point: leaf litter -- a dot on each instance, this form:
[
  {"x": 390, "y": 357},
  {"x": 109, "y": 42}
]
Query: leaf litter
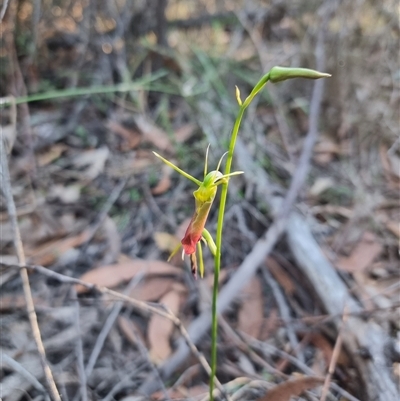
[{"x": 81, "y": 158}]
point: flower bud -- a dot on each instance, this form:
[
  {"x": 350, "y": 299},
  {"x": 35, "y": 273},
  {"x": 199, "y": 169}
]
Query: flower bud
[{"x": 278, "y": 74}]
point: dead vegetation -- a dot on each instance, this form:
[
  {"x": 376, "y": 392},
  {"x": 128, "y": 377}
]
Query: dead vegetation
[{"x": 309, "y": 295}]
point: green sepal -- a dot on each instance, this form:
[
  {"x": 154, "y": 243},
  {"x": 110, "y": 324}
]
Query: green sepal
[
  {"x": 201, "y": 261},
  {"x": 210, "y": 242}
]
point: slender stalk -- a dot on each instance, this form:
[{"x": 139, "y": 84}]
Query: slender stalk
[{"x": 221, "y": 213}]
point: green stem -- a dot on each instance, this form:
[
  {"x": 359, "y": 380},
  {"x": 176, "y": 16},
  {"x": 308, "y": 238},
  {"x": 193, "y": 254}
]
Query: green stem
[{"x": 221, "y": 212}]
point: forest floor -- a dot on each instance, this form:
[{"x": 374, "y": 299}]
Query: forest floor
[{"x": 310, "y": 295}]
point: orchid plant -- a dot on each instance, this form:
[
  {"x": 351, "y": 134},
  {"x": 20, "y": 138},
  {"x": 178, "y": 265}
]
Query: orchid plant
[{"x": 207, "y": 190}]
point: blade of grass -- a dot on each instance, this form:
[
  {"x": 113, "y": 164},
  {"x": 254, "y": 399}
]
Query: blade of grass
[{"x": 56, "y": 94}]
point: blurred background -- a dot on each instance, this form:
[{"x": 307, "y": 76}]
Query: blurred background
[{"x": 90, "y": 88}]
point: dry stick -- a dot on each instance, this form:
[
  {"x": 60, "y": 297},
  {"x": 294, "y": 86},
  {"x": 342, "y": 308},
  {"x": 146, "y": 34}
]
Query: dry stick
[
  {"x": 17, "y": 367},
  {"x": 284, "y": 312},
  {"x": 139, "y": 305},
  {"x": 335, "y": 355},
  {"x": 79, "y": 349},
  {"x": 12, "y": 212}
]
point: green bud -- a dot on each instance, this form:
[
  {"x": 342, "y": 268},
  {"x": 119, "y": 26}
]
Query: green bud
[{"x": 278, "y": 74}]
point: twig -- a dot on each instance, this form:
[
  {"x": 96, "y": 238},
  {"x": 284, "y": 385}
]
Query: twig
[
  {"x": 17, "y": 367},
  {"x": 79, "y": 350},
  {"x": 12, "y": 212},
  {"x": 284, "y": 312},
  {"x": 335, "y": 355}
]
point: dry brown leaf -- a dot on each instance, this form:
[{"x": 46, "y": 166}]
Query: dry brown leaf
[
  {"x": 250, "y": 319},
  {"x": 281, "y": 276},
  {"x": 323, "y": 345},
  {"x": 285, "y": 390},
  {"x": 113, "y": 275},
  {"x": 48, "y": 253},
  {"x": 165, "y": 183},
  {"x": 160, "y": 329},
  {"x": 152, "y": 133},
  {"x": 131, "y": 137},
  {"x": 152, "y": 288},
  {"x": 51, "y": 154},
  {"x": 362, "y": 256},
  {"x": 185, "y": 132}
]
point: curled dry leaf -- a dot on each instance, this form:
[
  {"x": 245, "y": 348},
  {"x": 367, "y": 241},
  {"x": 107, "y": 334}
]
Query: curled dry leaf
[
  {"x": 160, "y": 329},
  {"x": 287, "y": 389},
  {"x": 113, "y": 275},
  {"x": 251, "y": 314}
]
